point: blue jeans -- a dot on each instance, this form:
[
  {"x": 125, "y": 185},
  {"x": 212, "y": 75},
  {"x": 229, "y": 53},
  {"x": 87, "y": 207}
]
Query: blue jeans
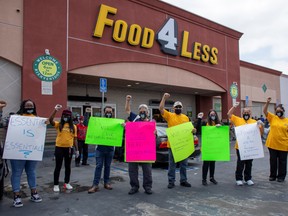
[
  {"x": 17, "y": 167},
  {"x": 102, "y": 158},
  {"x": 172, "y": 169}
]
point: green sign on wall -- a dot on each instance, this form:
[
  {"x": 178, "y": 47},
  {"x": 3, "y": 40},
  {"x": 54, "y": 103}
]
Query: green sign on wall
[{"x": 47, "y": 68}]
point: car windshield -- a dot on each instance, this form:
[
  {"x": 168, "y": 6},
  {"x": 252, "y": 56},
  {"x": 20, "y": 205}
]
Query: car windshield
[{"x": 161, "y": 131}]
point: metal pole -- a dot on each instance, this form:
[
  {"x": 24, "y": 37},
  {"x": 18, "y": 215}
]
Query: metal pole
[{"x": 102, "y": 110}]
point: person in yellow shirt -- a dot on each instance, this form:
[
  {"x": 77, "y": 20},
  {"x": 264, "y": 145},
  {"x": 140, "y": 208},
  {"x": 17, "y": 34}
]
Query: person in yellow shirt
[
  {"x": 242, "y": 165},
  {"x": 66, "y": 138},
  {"x": 174, "y": 119},
  {"x": 277, "y": 142}
]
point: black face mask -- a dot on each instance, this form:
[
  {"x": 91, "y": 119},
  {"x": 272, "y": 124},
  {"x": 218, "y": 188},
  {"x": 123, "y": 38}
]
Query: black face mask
[
  {"x": 213, "y": 117},
  {"x": 279, "y": 113},
  {"x": 142, "y": 115},
  {"x": 29, "y": 110},
  {"x": 178, "y": 111},
  {"x": 108, "y": 115},
  {"x": 246, "y": 116}
]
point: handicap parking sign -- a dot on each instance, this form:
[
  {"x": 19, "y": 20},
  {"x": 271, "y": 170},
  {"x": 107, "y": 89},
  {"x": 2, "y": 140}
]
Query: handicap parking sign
[{"x": 103, "y": 85}]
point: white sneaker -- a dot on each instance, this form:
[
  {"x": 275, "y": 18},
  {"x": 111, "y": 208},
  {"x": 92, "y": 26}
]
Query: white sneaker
[
  {"x": 67, "y": 186},
  {"x": 250, "y": 182},
  {"x": 56, "y": 188},
  {"x": 239, "y": 183}
]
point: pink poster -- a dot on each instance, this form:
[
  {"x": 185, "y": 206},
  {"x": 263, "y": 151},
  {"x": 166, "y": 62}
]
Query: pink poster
[{"x": 140, "y": 141}]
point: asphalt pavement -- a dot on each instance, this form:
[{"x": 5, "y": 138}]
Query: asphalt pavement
[{"x": 225, "y": 198}]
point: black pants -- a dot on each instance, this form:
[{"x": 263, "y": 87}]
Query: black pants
[
  {"x": 208, "y": 165},
  {"x": 83, "y": 148},
  {"x": 278, "y": 162},
  {"x": 147, "y": 175},
  {"x": 60, "y": 154},
  {"x": 245, "y": 165}
]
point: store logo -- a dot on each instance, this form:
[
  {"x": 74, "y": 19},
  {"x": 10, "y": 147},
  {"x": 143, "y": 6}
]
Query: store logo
[
  {"x": 166, "y": 36},
  {"x": 47, "y": 68},
  {"x": 234, "y": 91}
]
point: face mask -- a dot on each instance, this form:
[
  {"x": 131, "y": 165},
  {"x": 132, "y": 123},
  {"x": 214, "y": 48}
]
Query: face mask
[
  {"x": 246, "y": 116},
  {"x": 28, "y": 110},
  {"x": 212, "y": 117},
  {"x": 108, "y": 115},
  {"x": 66, "y": 119},
  {"x": 279, "y": 114},
  {"x": 142, "y": 115},
  {"x": 178, "y": 111}
]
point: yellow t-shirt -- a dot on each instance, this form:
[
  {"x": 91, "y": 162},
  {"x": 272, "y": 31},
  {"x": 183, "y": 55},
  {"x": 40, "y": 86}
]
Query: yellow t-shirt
[
  {"x": 173, "y": 119},
  {"x": 238, "y": 121},
  {"x": 278, "y": 136},
  {"x": 65, "y": 138}
]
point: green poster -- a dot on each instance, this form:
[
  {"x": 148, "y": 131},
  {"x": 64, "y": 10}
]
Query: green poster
[
  {"x": 181, "y": 141},
  {"x": 215, "y": 144},
  {"x": 105, "y": 131}
]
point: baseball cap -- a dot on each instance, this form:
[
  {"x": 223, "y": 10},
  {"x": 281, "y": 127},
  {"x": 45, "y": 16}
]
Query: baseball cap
[
  {"x": 177, "y": 103},
  {"x": 67, "y": 112}
]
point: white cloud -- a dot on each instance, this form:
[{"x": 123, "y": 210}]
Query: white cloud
[{"x": 262, "y": 22}]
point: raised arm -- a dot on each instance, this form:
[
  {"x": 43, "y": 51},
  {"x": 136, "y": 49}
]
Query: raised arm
[
  {"x": 127, "y": 104},
  {"x": 52, "y": 116},
  {"x": 265, "y": 108},
  {"x": 232, "y": 109},
  {"x": 162, "y": 103}
]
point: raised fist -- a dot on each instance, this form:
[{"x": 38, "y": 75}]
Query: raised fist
[
  {"x": 200, "y": 115},
  {"x": 128, "y": 97},
  {"x": 166, "y": 95},
  {"x": 58, "y": 107},
  {"x": 236, "y": 104},
  {"x": 269, "y": 99}
]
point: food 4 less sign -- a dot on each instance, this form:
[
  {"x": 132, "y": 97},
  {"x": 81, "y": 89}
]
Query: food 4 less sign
[{"x": 167, "y": 37}]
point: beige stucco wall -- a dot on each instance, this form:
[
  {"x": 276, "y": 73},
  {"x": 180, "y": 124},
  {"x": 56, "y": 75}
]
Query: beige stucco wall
[{"x": 11, "y": 30}]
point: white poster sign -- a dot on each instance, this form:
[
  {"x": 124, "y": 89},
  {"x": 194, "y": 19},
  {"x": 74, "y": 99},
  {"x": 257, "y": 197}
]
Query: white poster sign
[
  {"x": 46, "y": 88},
  {"x": 249, "y": 141},
  {"x": 25, "y": 138}
]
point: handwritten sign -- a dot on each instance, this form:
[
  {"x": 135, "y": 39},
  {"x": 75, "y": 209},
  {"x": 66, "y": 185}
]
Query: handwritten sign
[
  {"x": 25, "y": 138},
  {"x": 215, "y": 144},
  {"x": 181, "y": 141},
  {"x": 140, "y": 142},
  {"x": 249, "y": 141},
  {"x": 105, "y": 131}
]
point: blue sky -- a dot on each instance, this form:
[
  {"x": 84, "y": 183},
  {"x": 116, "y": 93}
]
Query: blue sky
[{"x": 262, "y": 22}]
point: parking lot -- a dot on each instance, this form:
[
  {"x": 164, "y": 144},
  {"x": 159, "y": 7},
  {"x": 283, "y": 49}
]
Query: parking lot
[{"x": 264, "y": 198}]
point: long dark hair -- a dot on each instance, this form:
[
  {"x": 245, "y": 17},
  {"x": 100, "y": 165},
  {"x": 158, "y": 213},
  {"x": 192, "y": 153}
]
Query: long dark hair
[
  {"x": 62, "y": 122},
  {"x": 21, "y": 111},
  {"x": 209, "y": 121}
]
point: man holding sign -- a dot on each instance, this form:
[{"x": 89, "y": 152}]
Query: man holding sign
[
  {"x": 242, "y": 165},
  {"x": 174, "y": 119}
]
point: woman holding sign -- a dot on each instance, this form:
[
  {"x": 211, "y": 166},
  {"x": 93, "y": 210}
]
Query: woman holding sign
[
  {"x": 213, "y": 120},
  {"x": 277, "y": 142},
  {"x": 27, "y": 108},
  {"x": 242, "y": 165},
  {"x": 66, "y": 138}
]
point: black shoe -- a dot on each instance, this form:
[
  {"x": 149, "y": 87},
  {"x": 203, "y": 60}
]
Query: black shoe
[
  {"x": 171, "y": 185},
  {"x": 85, "y": 164},
  {"x": 133, "y": 191},
  {"x": 77, "y": 164},
  {"x": 272, "y": 179},
  {"x": 280, "y": 180},
  {"x": 185, "y": 184},
  {"x": 148, "y": 191},
  {"x": 204, "y": 182},
  {"x": 213, "y": 181}
]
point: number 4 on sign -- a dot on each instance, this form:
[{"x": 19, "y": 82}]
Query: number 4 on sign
[{"x": 167, "y": 37}]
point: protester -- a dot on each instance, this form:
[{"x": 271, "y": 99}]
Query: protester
[
  {"x": 277, "y": 142},
  {"x": 133, "y": 168},
  {"x": 27, "y": 108},
  {"x": 82, "y": 147},
  {"x": 104, "y": 156},
  {"x": 174, "y": 119},
  {"x": 242, "y": 165},
  {"x": 213, "y": 120},
  {"x": 66, "y": 138}
]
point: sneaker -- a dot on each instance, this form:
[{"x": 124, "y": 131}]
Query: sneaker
[
  {"x": 17, "y": 202},
  {"x": 171, "y": 185},
  {"x": 185, "y": 184},
  {"x": 249, "y": 182},
  {"x": 204, "y": 182},
  {"x": 213, "y": 181},
  {"x": 56, "y": 188},
  {"x": 239, "y": 183},
  {"x": 133, "y": 191},
  {"x": 67, "y": 186},
  {"x": 35, "y": 198}
]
